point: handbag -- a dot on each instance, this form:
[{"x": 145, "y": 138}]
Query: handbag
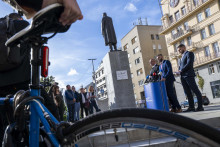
[{"x": 87, "y": 104}]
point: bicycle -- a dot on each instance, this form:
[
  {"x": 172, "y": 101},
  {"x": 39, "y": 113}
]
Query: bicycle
[{"x": 44, "y": 127}]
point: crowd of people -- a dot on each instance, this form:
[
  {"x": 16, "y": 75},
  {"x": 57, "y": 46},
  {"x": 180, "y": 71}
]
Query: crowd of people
[
  {"x": 77, "y": 103},
  {"x": 164, "y": 72}
]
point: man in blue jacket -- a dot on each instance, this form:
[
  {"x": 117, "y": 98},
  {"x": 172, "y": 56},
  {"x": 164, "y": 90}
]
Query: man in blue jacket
[
  {"x": 167, "y": 75},
  {"x": 188, "y": 78},
  {"x": 70, "y": 100}
]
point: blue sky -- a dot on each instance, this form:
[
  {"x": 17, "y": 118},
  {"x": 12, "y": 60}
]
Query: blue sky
[{"x": 69, "y": 52}]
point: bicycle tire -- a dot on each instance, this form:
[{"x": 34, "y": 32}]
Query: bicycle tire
[{"x": 183, "y": 125}]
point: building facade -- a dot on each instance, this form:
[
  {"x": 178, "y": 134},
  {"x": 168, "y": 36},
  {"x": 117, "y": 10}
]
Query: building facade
[
  {"x": 195, "y": 23},
  {"x": 101, "y": 83},
  {"x": 142, "y": 43},
  {"x": 102, "y": 94}
]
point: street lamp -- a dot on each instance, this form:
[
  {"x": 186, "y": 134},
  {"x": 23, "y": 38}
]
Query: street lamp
[{"x": 94, "y": 75}]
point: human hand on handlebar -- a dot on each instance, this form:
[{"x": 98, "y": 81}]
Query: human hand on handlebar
[{"x": 71, "y": 11}]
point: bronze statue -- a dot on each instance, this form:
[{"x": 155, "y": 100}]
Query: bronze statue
[{"x": 108, "y": 32}]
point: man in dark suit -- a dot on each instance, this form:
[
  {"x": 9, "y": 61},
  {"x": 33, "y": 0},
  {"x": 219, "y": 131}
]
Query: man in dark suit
[
  {"x": 83, "y": 99},
  {"x": 188, "y": 78},
  {"x": 167, "y": 75},
  {"x": 155, "y": 69}
]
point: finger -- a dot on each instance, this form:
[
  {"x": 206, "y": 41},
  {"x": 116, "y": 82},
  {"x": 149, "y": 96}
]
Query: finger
[{"x": 65, "y": 14}]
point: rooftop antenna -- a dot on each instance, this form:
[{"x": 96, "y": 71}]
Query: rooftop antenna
[
  {"x": 146, "y": 22},
  {"x": 134, "y": 23},
  {"x": 139, "y": 21}
]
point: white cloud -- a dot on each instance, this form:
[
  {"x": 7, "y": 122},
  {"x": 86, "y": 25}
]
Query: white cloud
[
  {"x": 130, "y": 7},
  {"x": 72, "y": 72}
]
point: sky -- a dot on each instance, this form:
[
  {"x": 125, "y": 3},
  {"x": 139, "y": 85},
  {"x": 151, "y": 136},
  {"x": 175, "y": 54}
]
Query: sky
[{"x": 70, "y": 51}]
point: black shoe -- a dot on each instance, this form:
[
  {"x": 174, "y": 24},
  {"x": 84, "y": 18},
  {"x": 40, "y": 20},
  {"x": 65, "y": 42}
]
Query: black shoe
[
  {"x": 190, "y": 110},
  {"x": 200, "y": 109}
]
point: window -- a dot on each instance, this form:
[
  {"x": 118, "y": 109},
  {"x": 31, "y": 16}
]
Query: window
[
  {"x": 135, "y": 96},
  {"x": 134, "y": 40},
  {"x": 159, "y": 47},
  {"x": 171, "y": 19},
  {"x": 218, "y": 66},
  {"x": 102, "y": 71},
  {"x": 183, "y": 10},
  {"x": 137, "y": 60},
  {"x": 211, "y": 29},
  {"x": 189, "y": 41},
  {"x": 173, "y": 32},
  {"x": 136, "y": 50},
  {"x": 128, "y": 55},
  {"x": 125, "y": 47},
  {"x": 139, "y": 71},
  {"x": 103, "y": 79},
  {"x": 104, "y": 86},
  {"x": 216, "y": 47},
  {"x": 186, "y": 27},
  {"x": 141, "y": 82},
  {"x": 130, "y": 65},
  {"x": 203, "y": 34},
  {"x": 154, "y": 46},
  {"x": 177, "y": 15},
  {"x": 211, "y": 69},
  {"x": 207, "y": 12},
  {"x": 182, "y": 42},
  {"x": 179, "y": 28},
  {"x": 196, "y": 2},
  {"x": 152, "y": 36},
  {"x": 196, "y": 72},
  {"x": 176, "y": 47},
  {"x": 132, "y": 75},
  {"x": 215, "y": 86},
  {"x": 157, "y": 37},
  {"x": 207, "y": 51},
  {"x": 199, "y": 17}
]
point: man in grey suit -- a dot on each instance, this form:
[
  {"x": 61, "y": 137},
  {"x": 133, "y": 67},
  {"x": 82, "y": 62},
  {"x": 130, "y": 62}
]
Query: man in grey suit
[{"x": 188, "y": 78}]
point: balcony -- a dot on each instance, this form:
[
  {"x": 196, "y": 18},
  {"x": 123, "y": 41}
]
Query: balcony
[
  {"x": 207, "y": 59},
  {"x": 191, "y": 9},
  {"x": 177, "y": 55},
  {"x": 181, "y": 34}
]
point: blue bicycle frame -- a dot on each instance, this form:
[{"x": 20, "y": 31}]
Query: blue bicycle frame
[{"x": 36, "y": 107}]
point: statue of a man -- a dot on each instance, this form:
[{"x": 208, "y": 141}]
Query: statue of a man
[{"x": 108, "y": 32}]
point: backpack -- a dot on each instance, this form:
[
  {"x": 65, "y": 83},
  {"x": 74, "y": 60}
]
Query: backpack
[{"x": 9, "y": 57}]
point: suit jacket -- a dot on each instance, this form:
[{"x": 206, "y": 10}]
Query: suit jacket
[
  {"x": 155, "y": 69},
  {"x": 80, "y": 97},
  {"x": 186, "y": 65},
  {"x": 167, "y": 71}
]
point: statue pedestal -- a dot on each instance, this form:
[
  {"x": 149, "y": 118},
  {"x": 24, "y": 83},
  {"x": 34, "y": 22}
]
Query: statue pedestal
[{"x": 118, "y": 80}]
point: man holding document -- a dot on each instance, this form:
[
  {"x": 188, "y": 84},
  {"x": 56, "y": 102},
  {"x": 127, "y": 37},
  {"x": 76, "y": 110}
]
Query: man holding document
[{"x": 188, "y": 78}]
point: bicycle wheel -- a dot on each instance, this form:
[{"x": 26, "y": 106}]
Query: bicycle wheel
[{"x": 158, "y": 124}]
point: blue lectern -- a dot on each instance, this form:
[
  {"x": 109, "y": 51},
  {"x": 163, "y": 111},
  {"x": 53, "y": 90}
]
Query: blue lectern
[{"x": 156, "y": 96}]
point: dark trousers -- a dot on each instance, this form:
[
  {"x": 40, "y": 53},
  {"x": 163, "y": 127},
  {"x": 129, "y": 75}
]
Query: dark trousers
[
  {"x": 93, "y": 104},
  {"x": 61, "y": 112},
  {"x": 189, "y": 84},
  {"x": 71, "y": 110},
  {"x": 171, "y": 95},
  {"x": 83, "y": 108}
]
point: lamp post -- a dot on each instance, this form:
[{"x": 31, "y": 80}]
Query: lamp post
[{"x": 94, "y": 75}]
